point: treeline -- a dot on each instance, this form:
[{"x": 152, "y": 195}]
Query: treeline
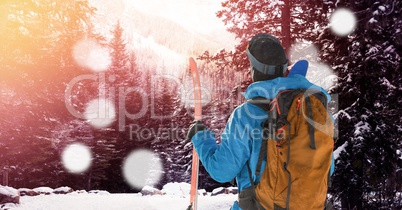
[{"x": 45, "y": 93}]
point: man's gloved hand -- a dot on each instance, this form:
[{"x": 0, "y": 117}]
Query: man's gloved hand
[{"x": 194, "y": 128}]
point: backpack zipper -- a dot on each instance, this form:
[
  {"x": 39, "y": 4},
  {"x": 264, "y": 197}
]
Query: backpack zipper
[{"x": 298, "y": 106}]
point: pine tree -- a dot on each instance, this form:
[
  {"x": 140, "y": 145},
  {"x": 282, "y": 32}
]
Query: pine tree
[
  {"x": 368, "y": 65},
  {"x": 121, "y": 79},
  {"x": 119, "y": 55},
  {"x": 290, "y": 21},
  {"x": 35, "y": 65},
  {"x": 164, "y": 140},
  {"x": 75, "y": 131}
]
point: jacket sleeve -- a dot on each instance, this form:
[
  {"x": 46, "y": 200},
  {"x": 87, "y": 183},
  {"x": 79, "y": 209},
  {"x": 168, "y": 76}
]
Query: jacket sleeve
[
  {"x": 332, "y": 169},
  {"x": 224, "y": 161}
]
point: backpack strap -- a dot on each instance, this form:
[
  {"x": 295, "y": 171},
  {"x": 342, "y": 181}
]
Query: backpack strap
[
  {"x": 250, "y": 195},
  {"x": 261, "y": 102},
  {"x": 264, "y": 104},
  {"x": 310, "y": 124},
  {"x": 323, "y": 99}
]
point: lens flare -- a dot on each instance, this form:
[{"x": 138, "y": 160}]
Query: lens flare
[
  {"x": 76, "y": 158},
  {"x": 318, "y": 73},
  {"x": 100, "y": 113},
  {"x": 207, "y": 88},
  {"x": 342, "y": 22},
  {"x": 303, "y": 50},
  {"x": 142, "y": 168},
  {"x": 89, "y": 54},
  {"x": 322, "y": 75}
]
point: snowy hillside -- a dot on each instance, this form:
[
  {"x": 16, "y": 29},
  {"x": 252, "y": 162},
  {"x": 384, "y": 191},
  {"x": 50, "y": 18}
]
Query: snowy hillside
[{"x": 165, "y": 34}]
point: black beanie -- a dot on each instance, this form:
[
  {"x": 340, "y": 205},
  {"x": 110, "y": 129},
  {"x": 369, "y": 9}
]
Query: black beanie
[{"x": 269, "y": 54}]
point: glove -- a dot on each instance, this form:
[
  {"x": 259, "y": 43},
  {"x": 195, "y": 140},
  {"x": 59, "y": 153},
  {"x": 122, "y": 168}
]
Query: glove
[{"x": 194, "y": 128}]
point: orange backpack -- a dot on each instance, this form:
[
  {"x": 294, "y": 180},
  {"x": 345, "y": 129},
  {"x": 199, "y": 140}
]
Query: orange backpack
[{"x": 298, "y": 145}]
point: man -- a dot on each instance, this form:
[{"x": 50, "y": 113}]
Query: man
[{"x": 242, "y": 137}]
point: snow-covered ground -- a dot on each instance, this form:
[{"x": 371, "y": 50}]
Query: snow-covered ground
[
  {"x": 173, "y": 196},
  {"x": 120, "y": 202}
]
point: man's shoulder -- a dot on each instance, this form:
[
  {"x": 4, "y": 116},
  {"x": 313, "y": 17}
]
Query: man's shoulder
[{"x": 247, "y": 111}]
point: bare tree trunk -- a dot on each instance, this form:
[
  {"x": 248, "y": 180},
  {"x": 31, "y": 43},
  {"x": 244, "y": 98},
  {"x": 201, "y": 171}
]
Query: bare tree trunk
[
  {"x": 5, "y": 177},
  {"x": 89, "y": 180},
  {"x": 285, "y": 26}
]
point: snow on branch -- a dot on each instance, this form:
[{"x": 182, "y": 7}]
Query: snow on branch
[
  {"x": 344, "y": 113},
  {"x": 361, "y": 127},
  {"x": 339, "y": 150}
]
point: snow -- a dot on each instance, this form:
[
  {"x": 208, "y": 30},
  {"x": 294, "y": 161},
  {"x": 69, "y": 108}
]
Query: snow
[
  {"x": 189, "y": 12},
  {"x": 382, "y": 8},
  {"x": 120, "y": 202},
  {"x": 361, "y": 127},
  {"x": 275, "y": 3},
  {"x": 386, "y": 82},
  {"x": 176, "y": 197},
  {"x": 390, "y": 49},
  {"x": 217, "y": 190},
  {"x": 339, "y": 150},
  {"x": 99, "y": 192},
  {"x": 373, "y": 50},
  {"x": 177, "y": 189},
  {"x": 399, "y": 153},
  {"x": 344, "y": 113},
  {"x": 364, "y": 116},
  {"x": 8, "y": 191},
  {"x": 349, "y": 77},
  {"x": 372, "y": 20},
  {"x": 160, "y": 30},
  {"x": 63, "y": 189},
  {"x": 149, "y": 188},
  {"x": 43, "y": 190}
]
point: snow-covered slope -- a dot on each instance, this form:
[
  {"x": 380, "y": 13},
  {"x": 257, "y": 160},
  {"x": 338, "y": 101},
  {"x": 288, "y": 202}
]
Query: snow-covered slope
[
  {"x": 172, "y": 196},
  {"x": 120, "y": 202},
  {"x": 163, "y": 35}
]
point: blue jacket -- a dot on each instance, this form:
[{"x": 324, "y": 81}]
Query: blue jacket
[{"x": 227, "y": 161}]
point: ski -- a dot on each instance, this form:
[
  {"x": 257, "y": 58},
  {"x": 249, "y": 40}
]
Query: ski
[
  {"x": 300, "y": 67},
  {"x": 197, "y": 116}
]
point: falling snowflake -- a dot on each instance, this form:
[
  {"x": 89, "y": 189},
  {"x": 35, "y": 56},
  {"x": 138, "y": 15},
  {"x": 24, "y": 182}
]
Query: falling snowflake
[
  {"x": 142, "y": 168},
  {"x": 89, "y": 54},
  {"x": 76, "y": 158},
  {"x": 100, "y": 113},
  {"x": 342, "y": 22}
]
